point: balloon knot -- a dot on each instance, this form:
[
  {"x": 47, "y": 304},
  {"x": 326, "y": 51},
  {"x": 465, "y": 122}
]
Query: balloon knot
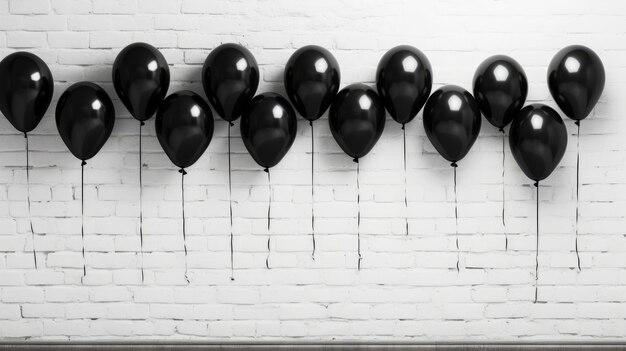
[
  {"x": 83, "y": 163},
  {"x": 577, "y": 123},
  {"x": 142, "y": 123},
  {"x": 182, "y": 171},
  {"x": 311, "y": 123},
  {"x": 501, "y": 130},
  {"x": 453, "y": 164},
  {"x": 25, "y": 135},
  {"x": 266, "y": 170},
  {"x": 536, "y": 184},
  {"x": 356, "y": 160},
  {"x": 231, "y": 123},
  {"x": 402, "y": 126}
]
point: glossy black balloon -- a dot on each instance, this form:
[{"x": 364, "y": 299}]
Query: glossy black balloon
[
  {"x": 576, "y": 79},
  {"x": 184, "y": 127},
  {"x": 538, "y": 139},
  {"x": 404, "y": 80},
  {"x": 85, "y": 118},
  {"x": 141, "y": 78},
  {"x": 26, "y": 88},
  {"x": 452, "y": 121},
  {"x": 312, "y": 79},
  {"x": 230, "y": 77},
  {"x": 500, "y": 89},
  {"x": 268, "y": 128},
  {"x": 357, "y": 119}
]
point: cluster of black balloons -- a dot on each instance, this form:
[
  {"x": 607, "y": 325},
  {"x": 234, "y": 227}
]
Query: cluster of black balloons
[{"x": 184, "y": 123}]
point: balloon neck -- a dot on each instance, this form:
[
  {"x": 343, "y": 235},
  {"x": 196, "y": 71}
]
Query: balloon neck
[
  {"x": 83, "y": 163},
  {"x": 266, "y": 170},
  {"x": 25, "y": 135},
  {"x": 182, "y": 171},
  {"x": 536, "y": 184},
  {"x": 231, "y": 123},
  {"x": 453, "y": 164},
  {"x": 577, "y": 123},
  {"x": 311, "y": 123},
  {"x": 402, "y": 126},
  {"x": 501, "y": 130},
  {"x": 142, "y": 123},
  {"x": 355, "y": 160}
]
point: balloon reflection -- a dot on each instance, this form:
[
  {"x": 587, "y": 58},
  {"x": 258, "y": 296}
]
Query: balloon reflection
[
  {"x": 365, "y": 102},
  {"x": 501, "y": 73},
  {"x": 536, "y": 121},
  {"x": 454, "y": 103},
  {"x": 572, "y": 65},
  {"x": 409, "y": 64}
]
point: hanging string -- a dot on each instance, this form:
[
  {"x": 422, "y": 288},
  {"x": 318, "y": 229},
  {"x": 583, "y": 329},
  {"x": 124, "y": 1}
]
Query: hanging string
[
  {"x": 537, "y": 245},
  {"x": 82, "y": 213},
  {"x": 406, "y": 203},
  {"x": 230, "y": 205},
  {"x": 182, "y": 193},
  {"x": 141, "y": 123},
  {"x": 456, "y": 218},
  {"x": 269, "y": 211},
  {"x": 358, "y": 218},
  {"x": 577, "y": 187},
  {"x": 30, "y": 218},
  {"x": 312, "y": 190},
  {"x": 506, "y": 236}
]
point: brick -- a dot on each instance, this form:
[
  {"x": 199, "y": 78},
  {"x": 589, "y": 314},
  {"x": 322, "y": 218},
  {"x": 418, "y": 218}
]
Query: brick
[
  {"x": 72, "y": 6},
  {"x": 26, "y": 39},
  {"x": 29, "y": 7},
  {"x": 408, "y": 288}
]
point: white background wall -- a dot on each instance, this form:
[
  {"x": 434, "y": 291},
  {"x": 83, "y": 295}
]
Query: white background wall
[{"x": 408, "y": 287}]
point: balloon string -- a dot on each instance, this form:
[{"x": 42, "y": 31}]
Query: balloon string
[
  {"x": 82, "y": 213},
  {"x": 182, "y": 193},
  {"x": 230, "y": 205},
  {"x": 506, "y": 236},
  {"x": 537, "y": 245},
  {"x": 312, "y": 190},
  {"x": 269, "y": 211},
  {"x": 406, "y": 203},
  {"x": 358, "y": 220},
  {"x": 577, "y": 188},
  {"x": 141, "y": 123},
  {"x": 30, "y": 218},
  {"x": 456, "y": 218}
]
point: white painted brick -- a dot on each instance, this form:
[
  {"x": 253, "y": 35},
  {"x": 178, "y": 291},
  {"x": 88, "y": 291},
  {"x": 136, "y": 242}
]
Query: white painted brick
[
  {"x": 47, "y": 23},
  {"x": 26, "y": 39},
  {"x": 114, "y": 6},
  {"x": 408, "y": 288},
  {"x": 159, "y": 6},
  {"x": 72, "y": 6},
  {"x": 27, "y": 7},
  {"x": 22, "y": 294}
]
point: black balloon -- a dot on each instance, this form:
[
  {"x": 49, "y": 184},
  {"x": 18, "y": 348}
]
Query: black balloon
[
  {"x": 500, "y": 89},
  {"x": 576, "y": 79},
  {"x": 26, "y": 88},
  {"x": 184, "y": 127},
  {"x": 230, "y": 77},
  {"x": 85, "y": 117},
  {"x": 452, "y": 121},
  {"x": 404, "y": 79},
  {"x": 357, "y": 119},
  {"x": 268, "y": 128},
  {"x": 141, "y": 78},
  {"x": 538, "y": 139},
  {"x": 312, "y": 79}
]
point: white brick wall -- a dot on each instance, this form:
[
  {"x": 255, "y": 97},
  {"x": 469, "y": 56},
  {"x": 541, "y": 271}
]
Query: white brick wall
[{"x": 408, "y": 287}]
